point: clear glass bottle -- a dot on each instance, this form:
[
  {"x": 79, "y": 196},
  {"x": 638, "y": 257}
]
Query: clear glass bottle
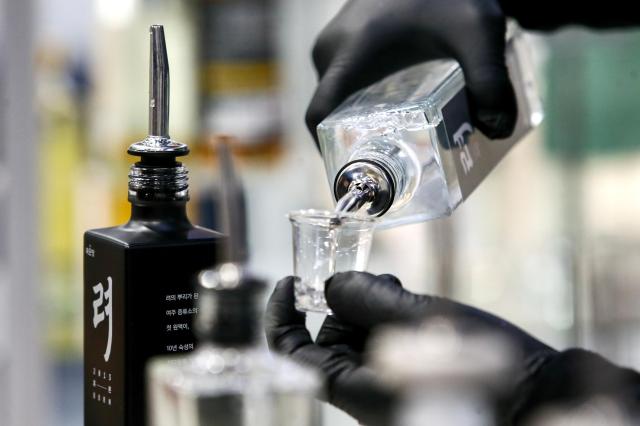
[
  {"x": 444, "y": 373},
  {"x": 231, "y": 379},
  {"x": 404, "y": 148},
  {"x": 239, "y": 85}
]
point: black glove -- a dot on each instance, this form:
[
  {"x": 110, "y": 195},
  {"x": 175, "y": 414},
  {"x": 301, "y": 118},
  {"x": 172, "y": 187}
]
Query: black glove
[
  {"x": 552, "y": 14},
  {"x": 361, "y": 302},
  {"x": 369, "y": 40}
]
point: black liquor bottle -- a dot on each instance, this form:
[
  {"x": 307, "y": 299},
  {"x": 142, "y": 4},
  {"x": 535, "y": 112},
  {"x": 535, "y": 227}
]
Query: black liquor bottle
[{"x": 139, "y": 298}]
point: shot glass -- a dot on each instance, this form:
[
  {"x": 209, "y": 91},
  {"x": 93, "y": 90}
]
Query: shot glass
[{"x": 325, "y": 243}]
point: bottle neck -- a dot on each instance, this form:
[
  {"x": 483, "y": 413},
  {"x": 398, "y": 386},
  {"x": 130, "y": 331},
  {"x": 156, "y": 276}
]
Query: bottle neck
[
  {"x": 229, "y": 314},
  {"x": 159, "y": 193},
  {"x": 159, "y": 212},
  {"x": 161, "y": 182},
  {"x": 235, "y": 323}
]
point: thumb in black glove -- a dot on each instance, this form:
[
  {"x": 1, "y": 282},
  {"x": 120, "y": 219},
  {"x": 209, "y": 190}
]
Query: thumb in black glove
[
  {"x": 362, "y": 302},
  {"x": 369, "y": 40},
  {"x": 337, "y": 353}
]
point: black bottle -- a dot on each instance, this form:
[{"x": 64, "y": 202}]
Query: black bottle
[{"x": 139, "y": 298}]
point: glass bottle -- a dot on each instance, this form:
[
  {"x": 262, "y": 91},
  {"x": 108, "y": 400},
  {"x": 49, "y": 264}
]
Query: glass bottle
[
  {"x": 404, "y": 148},
  {"x": 239, "y": 76},
  {"x": 444, "y": 373},
  {"x": 231, "y": 379},
  {"x": 138, "y": 295}
]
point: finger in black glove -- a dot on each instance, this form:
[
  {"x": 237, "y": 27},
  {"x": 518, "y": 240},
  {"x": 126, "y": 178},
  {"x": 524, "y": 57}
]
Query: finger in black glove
[{"x": 367, "y": 301}]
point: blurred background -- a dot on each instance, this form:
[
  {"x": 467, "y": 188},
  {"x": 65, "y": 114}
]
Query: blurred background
[{"x": 551, "y": 241}]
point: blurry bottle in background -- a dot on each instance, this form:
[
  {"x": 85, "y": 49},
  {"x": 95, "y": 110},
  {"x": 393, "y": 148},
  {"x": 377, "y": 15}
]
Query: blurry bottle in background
[
  {"x": 239, "y": 88},
  {"x": 231, "y": 379},
  {"x": 210, "y": 198},
  {"x": 613, "y": 275},
  {"x": 445, "y": 376}
]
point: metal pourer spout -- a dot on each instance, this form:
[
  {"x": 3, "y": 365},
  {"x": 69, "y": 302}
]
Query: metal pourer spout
[
  {"x": 360, "y": 192},
  {"x": 158, "y": 84},
  {"x": 364, "y": 183},
  {"x": 158, "y": 144},
  {"x": 158, "y": 176}
]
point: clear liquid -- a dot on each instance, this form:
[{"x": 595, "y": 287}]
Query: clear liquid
[
  {"x": 326, "y": 243},
  {"x": 351, "y": 202}
]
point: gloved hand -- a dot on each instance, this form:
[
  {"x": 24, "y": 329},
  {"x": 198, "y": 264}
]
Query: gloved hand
[
  {"x": 369, "y": 40},
  {"x": 361, "y": 302}
]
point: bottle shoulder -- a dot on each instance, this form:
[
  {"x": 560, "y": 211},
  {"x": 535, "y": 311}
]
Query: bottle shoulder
[{"x": 134, "y": 234}]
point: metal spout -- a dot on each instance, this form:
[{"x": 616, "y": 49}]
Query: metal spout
[
  {"x": 158, "y": 143},
  {"x": 158, "y": 83},
  {"x": 363, "y": 183},
  {"x": 233, "y": 208}
]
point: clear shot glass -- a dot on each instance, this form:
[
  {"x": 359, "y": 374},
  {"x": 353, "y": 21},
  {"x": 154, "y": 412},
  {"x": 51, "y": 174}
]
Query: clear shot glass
[{"x": 325, "y": 243}]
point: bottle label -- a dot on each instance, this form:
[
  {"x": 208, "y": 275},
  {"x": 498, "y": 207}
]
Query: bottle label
[
  {"x": 103, "y": 333},
  {"x": 457, "y": 121},
  {"x": 473, "y": 154},
  {"x": 139, "y": 303},
  {"x": 103, "y": 312}
]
